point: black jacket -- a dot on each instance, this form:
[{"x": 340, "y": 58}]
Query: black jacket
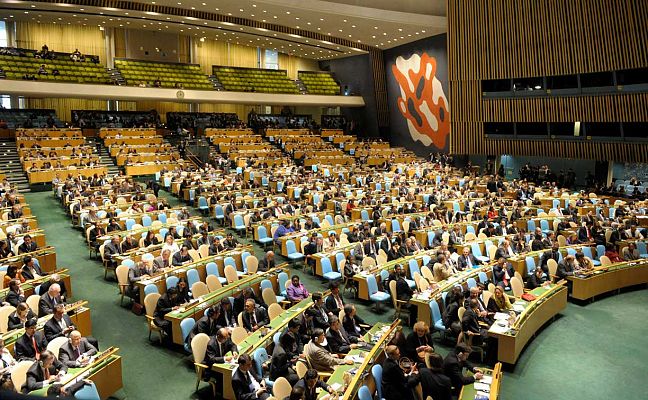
[
  {"x": 413, "y": 342},
  {"x": 350, "y": 324},
  {"x": 24, "y": 349},
  {"x": 435, "y": 384},
  {"x": 36, "y": 375},
  {"x": 261, "y": 316},
  {"x": 16, "y": 323},
  {"x": 214, "y": 355},
  {"x": 397, "y": 386},
  {"x": 241, "y": 385},
  {"x": 340, "y": 341},
  {"x": 53, "y": 330},
  {"x": 453, "y": 369},
  {"x": 311, "y": 394},
  {"x": 164, "y": 305},
  {"x": 13, "y": 298},
  {"x": 332, "y": 306}
]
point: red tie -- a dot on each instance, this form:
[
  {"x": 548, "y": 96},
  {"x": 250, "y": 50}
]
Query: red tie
[
  {"x": 47, "y": 374},
  {"x": 35, "y": 348}
]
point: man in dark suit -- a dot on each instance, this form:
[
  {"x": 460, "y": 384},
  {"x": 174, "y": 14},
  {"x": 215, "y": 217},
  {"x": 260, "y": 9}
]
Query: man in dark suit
[
  {"x": 216, "y": 247},
  {"x": 502, "y": 273},
  {"x": 584, "y": 233},
  {"x": 454, "y": 364},
  {"x": 338, "y": 340},
  {"x": 15, "y": 295},
  {"x": 28, "y": 245},
  {"x": 396, "y": 384},
  {"x": 553, "y": 254},
  {"x": 77, "y": 351},
  {"x": 371, "y": 248},
  {"x": 59, "y": 325},
  {"x": 470, "y": 323},
  {"x": 386, "y": 243},
  {"x": 566, "y": 267},
  {"x": 219, "y": 345},
  {"x": 505, "y": 250},
  {"x": 111, "y": 250},
  {"x": 309, "y": 250},
  {"x": 241, "y": 298},
  {"x": 334, "y": 302},
  {"x": 310, "y": 383},
  {"x": 320, "y": 312},
  {"x": 434, "y": 382},
  {"x": 254, "y": 316},
  {"x": 246, "y": 385},
  {"x": 31, "y": 344},
  {"x": 501, "y": 229},
  {"x": 267, "y": 262},
  {"x": 128, "y": 244},
  {"x": 181, "y": 257},
  {"x": 165, "y": 304},
  {"x": 230, "y": 242},
  {"x": 30, "y": 270},
  {"x": 208, "y": 324},
  {"x": 227, "y": 317},
  {"x": 49, "y": 300},
  {"x": 43, "y": 372},
  {"x": 466, "y": 260}
]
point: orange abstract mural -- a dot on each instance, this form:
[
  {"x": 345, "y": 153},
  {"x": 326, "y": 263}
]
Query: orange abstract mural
[{"x": 422, "y": 101}]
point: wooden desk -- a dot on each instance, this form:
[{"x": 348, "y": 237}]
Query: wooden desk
[
  {"x": 258, "y": 339},
  {"x": 154, "y": 140},
  {"x": 52, "y": 142},
  {"x": 547, "y": 304},
  {"x": 378, "y": 336},
  {"x": 609, "y": 278},
  {"x": 148, "y": 169},
  {"x": 105, "y": 372},
  {"x": 422, "y": 300},
  {"x": 80, "y": 318},
  {"x": 200, "y": 265},
  {"x": 46, "y": 257},
  {"x": 197, "y": 308},
  {"x": 48, "y": 176},
  {"x": 29, "y": 286}
]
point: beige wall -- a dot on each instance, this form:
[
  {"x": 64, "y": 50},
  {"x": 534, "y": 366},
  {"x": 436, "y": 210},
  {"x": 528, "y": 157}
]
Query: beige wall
[{"x": 64, "y": 38}]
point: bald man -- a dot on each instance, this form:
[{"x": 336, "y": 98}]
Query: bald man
[
  {"x": 76, "y": 352},
  {"x": 49, "y": 300},
  {"x": 395, "y": 382},
  {"x": 267, "y": 262}
]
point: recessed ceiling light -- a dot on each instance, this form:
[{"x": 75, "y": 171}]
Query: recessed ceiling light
[{"x": 288, "y": 12}]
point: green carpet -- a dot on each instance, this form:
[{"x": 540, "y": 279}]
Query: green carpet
[{"x": 596, "y": 351}]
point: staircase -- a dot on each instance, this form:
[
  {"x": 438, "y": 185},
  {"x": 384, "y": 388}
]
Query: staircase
[
  {"x": 11, "y": 167},
  {"x": 302, "y": 87},
  {"x": 217, "y": 84},
  {"x": 116, "y": 76},
  {"x": 105, "y": 160}
]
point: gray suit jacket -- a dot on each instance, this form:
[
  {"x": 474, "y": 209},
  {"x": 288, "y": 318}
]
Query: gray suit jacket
[{"x": 68, "y": 355}]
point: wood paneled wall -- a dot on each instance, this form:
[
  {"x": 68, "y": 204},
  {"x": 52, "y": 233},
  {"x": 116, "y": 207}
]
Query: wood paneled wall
[{"x": 492, "y": 39}]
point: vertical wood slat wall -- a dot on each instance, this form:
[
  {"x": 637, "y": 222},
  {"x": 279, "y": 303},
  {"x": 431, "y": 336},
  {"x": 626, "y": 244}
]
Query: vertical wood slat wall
[{"x": 494, "y": 39}]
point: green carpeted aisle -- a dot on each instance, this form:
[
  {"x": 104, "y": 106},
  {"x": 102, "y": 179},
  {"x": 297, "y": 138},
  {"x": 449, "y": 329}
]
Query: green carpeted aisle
[{"x": 593, "y": 352}]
